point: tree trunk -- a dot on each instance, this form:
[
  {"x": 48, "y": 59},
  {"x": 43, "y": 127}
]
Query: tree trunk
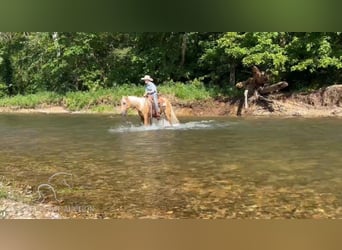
[
  {"x": 232, "y": 67},
  {"x": 184, "y": 47},
  {"x": 55, "y": 38}
]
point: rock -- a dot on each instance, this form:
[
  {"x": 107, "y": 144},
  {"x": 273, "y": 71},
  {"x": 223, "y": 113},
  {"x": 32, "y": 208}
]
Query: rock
[
  {"x": 296, "y": 114},
  {"x": 336, "y": 112},
  {"x": 332, "y": 95}
]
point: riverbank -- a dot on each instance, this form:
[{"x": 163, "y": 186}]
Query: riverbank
[
  {"x": 325, "y": 102},
  {"x": 210, "y": 108},
  {"x": 19, "y": 201}
]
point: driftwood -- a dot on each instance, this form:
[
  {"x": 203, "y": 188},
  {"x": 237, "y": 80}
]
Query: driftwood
[
  {"x": 272, "y": 88},
  {"x": 258, "y": 86}
]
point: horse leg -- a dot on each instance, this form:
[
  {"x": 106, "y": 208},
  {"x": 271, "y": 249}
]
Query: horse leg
[
  {"x": 146, "y": 118},
  {"x": 141, "y": 115},
  {"x": 167, "y": 112}
]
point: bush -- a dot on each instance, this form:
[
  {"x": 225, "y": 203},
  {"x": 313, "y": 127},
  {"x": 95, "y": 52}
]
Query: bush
[
  {"x": 3, "y": 89},
  {"x": 190, "y": 91},
  {"x": 90, "y": 99}
]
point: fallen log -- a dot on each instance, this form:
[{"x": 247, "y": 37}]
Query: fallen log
[
  {"x": 258, "y": 86},
  {"x": 272, "y": 88}
]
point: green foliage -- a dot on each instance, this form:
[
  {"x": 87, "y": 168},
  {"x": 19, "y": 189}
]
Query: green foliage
[
  {"x": 3, "y": 89},
  {"x": 78, "y": 100},
  {"x": 66, "y": 62},
  {"x": 103, "y": 109},
  {"x": 245, "y": 49},
  {"x": 233, "y": 45},
  {"x": 160, "y": 54},
  {"x": 313, "y": 51},
  {"x": 104, "y": 100},
  {"x": 190, "y": 91},
  {"x": 265, "y": 50},
  {"x": 101, "y": 97}
]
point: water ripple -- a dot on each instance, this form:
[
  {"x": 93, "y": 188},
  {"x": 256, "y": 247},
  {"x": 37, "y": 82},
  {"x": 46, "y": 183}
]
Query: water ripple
[{"x": 164, "y": 125}]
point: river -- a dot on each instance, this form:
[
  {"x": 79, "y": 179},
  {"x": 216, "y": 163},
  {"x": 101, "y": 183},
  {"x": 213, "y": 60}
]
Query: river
[{"x": 203, "y": 168}]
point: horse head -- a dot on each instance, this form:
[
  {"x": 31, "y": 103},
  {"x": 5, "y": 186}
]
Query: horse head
[{"x": 125, "y": 105}]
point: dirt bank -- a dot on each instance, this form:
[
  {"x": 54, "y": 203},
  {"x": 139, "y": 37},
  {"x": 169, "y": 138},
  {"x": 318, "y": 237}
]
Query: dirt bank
[{"x": 325, "y": 102}]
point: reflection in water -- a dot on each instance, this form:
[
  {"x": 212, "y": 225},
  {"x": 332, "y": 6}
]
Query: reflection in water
[{"x": 202, "y": 168}]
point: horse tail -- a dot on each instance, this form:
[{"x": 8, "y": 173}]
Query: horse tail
[
  {"x": 174, "y": 119},
  {"x": 168, "y": 111}
]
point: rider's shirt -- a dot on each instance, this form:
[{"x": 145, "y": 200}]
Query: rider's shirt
[{"x": 151, "y": 88}]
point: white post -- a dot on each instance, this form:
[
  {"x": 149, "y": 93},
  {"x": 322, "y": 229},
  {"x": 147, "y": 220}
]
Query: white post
[{"x": 246, "y": 96}]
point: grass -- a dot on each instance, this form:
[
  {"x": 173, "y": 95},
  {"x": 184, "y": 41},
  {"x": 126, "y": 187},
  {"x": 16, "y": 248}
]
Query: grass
[
  {"x": 105, "y": 100},
  {"x": 31, "y": 100},
  {"x": 100, "y": 99},
  {"x": 102, "y": 109},
  {"x": 193, "y": 91}
]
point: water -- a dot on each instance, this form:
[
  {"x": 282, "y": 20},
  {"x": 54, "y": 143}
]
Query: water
[{"x": 202, "y": 168}]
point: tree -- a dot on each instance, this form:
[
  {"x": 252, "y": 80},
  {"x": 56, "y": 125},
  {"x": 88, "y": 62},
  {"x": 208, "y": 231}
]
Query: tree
[
  {"x": 10, "y": 43},
  {"x": 166, "y": 55},
  {"x": 315, "y": 56}
]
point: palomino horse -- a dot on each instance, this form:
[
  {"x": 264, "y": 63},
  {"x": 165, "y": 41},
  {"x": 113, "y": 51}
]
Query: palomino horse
[{"x": 144, "y": 107}]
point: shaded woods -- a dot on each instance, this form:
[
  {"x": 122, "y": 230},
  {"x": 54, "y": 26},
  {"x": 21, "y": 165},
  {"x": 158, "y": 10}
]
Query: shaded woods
[{"x": 62, "y": 62}]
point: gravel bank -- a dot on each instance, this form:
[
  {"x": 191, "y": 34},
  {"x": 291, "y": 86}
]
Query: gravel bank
[{"x": 15, "y": 204}]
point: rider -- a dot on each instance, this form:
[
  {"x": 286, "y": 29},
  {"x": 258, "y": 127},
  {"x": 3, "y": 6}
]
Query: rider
[{"x": 151, "y": 90}]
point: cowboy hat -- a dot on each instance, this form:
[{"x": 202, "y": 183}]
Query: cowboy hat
[{"x": 147, "y": 77}]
